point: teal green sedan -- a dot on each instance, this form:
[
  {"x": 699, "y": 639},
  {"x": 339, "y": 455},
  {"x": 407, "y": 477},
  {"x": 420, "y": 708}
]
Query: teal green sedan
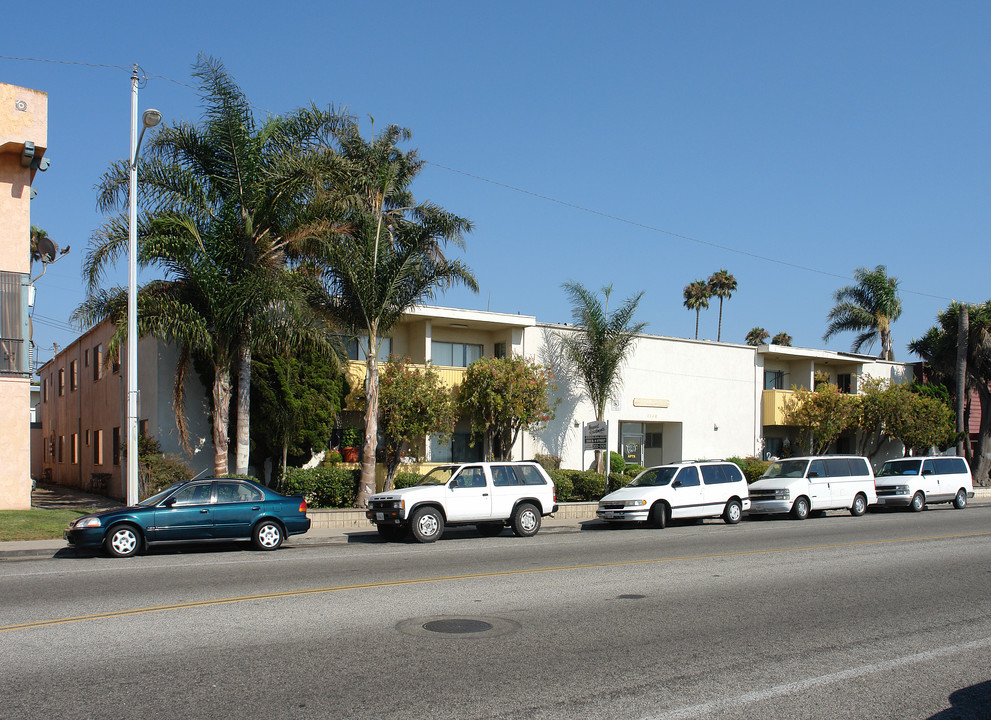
[{"x": 207, "y": 510}]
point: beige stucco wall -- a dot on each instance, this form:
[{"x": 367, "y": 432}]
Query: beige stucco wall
[{"x": 23, "y": 118}]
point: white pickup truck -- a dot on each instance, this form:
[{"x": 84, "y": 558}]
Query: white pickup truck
[{"x": 489, "y": 495}]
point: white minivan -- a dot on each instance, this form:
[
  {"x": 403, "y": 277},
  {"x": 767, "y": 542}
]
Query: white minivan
[
  {"x": 698, "y": 489},
  {"x": 913, "y": 482},
  {"x": 813, "y": 484}
]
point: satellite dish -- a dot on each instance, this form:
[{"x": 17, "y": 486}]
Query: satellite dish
[{"x": 47, "y": 250}]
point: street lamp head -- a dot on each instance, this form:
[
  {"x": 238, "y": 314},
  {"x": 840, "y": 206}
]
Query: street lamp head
[{"x": 151, "y": 117}]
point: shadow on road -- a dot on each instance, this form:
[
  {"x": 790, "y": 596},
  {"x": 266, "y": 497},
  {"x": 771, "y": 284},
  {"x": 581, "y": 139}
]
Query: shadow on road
[{"x": 970, "y": 703}]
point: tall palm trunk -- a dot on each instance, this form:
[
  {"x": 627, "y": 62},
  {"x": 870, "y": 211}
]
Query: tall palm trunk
[
  {"x": 366, "y": 486},
  {"x": 243, "y": 416},
  {"x": 221, "y": 417},
  {"x": 719, "y": 331},
  {"x": 698, "y": 311},
  {"x": 963, "y": 334}
]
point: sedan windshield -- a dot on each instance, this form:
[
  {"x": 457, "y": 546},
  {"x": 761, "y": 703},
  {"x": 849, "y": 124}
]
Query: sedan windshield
[
  {"x": 439, "y": 475},
  {"x": 901, "y": 467},
  {"x": 157, "y": 498},
  {"x": 654, "y": 477},
  {"x": 786, "y": 468}
]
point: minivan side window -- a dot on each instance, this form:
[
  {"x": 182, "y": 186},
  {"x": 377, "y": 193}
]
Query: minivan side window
[
  {"x": 950, "y": 466},
  {"x": 817, "y": 469},
  {"x": 689, "y": 477},
  {"x": 733, "y": 473},
  {"x": 714, "y": 474},
  {"x": 838, "y": 467},
  {"x": 928, "y": 468},
  {"x": 858, "y": 466}
]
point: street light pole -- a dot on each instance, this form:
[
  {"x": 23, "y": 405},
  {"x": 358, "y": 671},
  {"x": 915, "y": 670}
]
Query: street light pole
[{"x": 151, "y": 118}]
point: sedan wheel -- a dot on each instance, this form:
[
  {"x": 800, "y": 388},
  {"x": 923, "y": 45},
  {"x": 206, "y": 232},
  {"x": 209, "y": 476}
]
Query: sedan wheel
[
  {"x": 800, "y": 510},
  {"x": 267, "y": 535},
  {"x": 526, "y": 520},
  {"x": 427, "y": 524},
  {"x": 122, "y": 541},
  {"x": 918, "y": 502},
  {"x": 733, "y": 512},
  {"x": 960, "y": 501}
]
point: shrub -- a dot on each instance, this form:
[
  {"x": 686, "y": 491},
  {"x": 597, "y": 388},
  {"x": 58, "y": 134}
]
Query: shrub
[
  {"x": 618, "y": 480},
  {"x": 332, "y": 458},
  {"x": 562, "y": 484},
  {"x": 548, "y": 462},
  {"x": 406, "y": 479},
  {"x": 631, "y": 471},
  {"x": 616, "y": 462},
  {"x": 157, "y": 472},
  {"x": 587, "y": 485},
  {"x": 752, "y": 467},
  {"x": 324, "y": 487}
]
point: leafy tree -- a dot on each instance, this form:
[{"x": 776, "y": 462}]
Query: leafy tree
[
  {"x": 920, "y": 422},
  {"x": 381, "y": 253},
  {"x": 874, "y": 414},
  {"x": 782, "y": 338},
  {"x": 867, "y": 308},
  {"x": 222, "y": 199},
  {"x": 721, "y": 285},
  {"x": 503, "y": 396},
  {"x": 938, "y": 348},
  {"x": 757, "y": 336},
  {"x": 697, "y": 294},
  {"x": 821, "y": 415},
  {"x": 415, "y": 403},
  {"x": 599, "y": 344},
  {"x": 296, "y": 401}
]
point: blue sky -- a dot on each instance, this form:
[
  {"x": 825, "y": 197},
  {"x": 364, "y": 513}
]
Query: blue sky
[{"x": 656, "y": 142}]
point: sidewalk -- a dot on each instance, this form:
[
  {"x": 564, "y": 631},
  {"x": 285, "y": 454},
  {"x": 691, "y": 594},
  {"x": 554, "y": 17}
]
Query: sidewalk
[{"x": 329, "y": 527}]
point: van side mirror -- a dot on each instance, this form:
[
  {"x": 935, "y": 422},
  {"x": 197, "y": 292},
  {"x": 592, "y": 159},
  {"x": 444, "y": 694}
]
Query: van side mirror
[
  {"x": 813, "y": 473},
  {"x": 676, "y": 484}
]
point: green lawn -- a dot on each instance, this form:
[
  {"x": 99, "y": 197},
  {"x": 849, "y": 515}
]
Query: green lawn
[{"x": 35, "y": 524}]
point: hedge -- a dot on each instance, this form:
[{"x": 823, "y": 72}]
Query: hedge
[
  {"x": 752, "y": 467},
  {"x": 324, "y": 487}
]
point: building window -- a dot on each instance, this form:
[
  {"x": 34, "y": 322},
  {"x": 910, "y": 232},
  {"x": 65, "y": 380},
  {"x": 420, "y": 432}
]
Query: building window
[
  {"x": 454, "y": 354},
  {"x": 44, "y": 390},
  {"x": 61, "y": 382},
  {"x": 98, "y": 447},
  {"x": 115, "y": 439},
  {"x": 499, "y": 350},
  {"x": 356, "y": 349},
  {"x": 774, "y": 379},
  {"x": 74, "y": 448},
  {"x": 87, "y": 438},
  {"x": 115, "y": 365},
  {"x": 844, "y": 382},
  {"x": 61, "y": 447},
  {"x": 97, "y": 362},
  {"x": 74, "y": 375},
  {"x": 86, "y": 357},
  {"x": 14, "y": 323},
  {"x": 143, "y": 428},
  {"x": 456, "y": 449}
]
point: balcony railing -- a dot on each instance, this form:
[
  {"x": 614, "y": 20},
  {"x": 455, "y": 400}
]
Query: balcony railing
[
  {"x": 774, "y": 405},
  {"x": 449, "y": 376}
]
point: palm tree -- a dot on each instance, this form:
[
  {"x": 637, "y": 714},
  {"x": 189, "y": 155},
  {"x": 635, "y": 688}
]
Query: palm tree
[
  {"x": 697, "y": 298},
  {"x": 599, "y": 344},
  {"x": 938, "y": 348},
  {"x": 222, "y": 200},
  {"x": 721, "y": 285},
  {"x": 757, "y": 336},
  {"x": 382, "y": 254},
  {"x": 868, "y": 308},
  {"x": 782, "y": 338}
]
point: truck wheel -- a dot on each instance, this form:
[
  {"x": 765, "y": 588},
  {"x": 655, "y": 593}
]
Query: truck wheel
[
  {"x": 427, "y": 524},
  {"x": 800, "y": 510},
  {"x": 733, "y": 512},
  {"x": 526, "y": 520},
  {"x": 960, "y": 501}
]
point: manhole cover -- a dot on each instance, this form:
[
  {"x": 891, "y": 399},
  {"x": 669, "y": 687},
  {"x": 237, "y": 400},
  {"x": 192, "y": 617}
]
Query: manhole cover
[{"x": 457, "y": 626}]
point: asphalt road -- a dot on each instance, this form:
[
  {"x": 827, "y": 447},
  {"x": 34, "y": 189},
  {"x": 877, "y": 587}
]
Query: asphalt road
[{"x": 883, "y": 616}]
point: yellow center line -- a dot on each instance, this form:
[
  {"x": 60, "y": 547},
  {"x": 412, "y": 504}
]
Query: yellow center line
[{"x": 471, "y": 576}]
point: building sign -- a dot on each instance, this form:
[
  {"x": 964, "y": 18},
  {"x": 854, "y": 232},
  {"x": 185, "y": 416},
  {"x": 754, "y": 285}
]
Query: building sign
[
  {"x": 597, "y": 435},
  {"x": 651, "y": 402},
  {"x": 633, "y": 452}
]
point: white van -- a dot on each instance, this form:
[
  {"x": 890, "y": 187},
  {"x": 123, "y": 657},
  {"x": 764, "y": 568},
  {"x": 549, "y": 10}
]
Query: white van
[
  {"x": 698, "y": 489},
  {"x": 913, "y": 482},
  {"x": 812, "y": 484}
]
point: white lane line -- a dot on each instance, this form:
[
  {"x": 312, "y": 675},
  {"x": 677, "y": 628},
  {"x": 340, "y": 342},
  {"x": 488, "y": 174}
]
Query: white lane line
[{"x": 711, "y": 709}]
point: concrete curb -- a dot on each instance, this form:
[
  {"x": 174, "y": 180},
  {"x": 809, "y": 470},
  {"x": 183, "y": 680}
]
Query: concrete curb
[{"x": 351, "y": 526}]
